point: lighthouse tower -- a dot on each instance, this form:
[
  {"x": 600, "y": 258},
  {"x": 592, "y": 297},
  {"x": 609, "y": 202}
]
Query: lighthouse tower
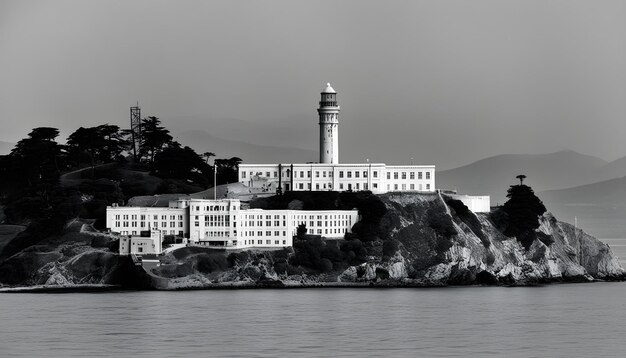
[{"x": 329, "y": 126}]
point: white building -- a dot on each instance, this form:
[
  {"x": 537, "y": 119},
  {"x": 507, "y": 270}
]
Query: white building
[
  {"x": 142, "y": 245},
  {"x": 329, "y": 174},
  {"x": 133, "y": 220},
  {"x": 222, "y": 223},
  {"x": 477, "y": 204}
]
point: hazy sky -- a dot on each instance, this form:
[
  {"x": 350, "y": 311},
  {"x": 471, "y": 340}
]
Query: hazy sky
[{"x": 445, "y": 82}]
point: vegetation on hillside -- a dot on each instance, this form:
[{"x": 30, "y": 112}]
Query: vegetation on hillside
[
  {"x": 519, "y": 216},
  {"x": 44, "y": 183}
]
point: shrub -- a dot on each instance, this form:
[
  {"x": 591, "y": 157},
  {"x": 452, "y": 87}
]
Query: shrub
[
  {"x": 207, "y": 263},
  {"x": 441, "y": 222},
  {"x": 390, "y": 247},
  {"x": 523, "y": 210}
]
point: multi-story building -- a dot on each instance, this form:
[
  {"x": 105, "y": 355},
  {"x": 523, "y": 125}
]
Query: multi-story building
[
  {"x": 329, "y": 174},
  {"x": 223, "y": 223}
]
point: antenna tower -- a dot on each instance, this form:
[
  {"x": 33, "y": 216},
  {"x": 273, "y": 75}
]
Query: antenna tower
[{"x": 135, "y": 129}]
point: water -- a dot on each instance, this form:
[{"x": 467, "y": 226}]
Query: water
[{"x": 553, "y": 321}]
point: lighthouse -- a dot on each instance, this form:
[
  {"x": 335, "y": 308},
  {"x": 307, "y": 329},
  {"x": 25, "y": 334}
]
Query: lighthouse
[{"x": 328, "y": 112}]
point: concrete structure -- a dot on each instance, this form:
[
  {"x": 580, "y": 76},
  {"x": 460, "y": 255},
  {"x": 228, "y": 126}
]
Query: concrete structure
[
  {"x": 133, "y": 220},
  {"x": 329, "y": 174},
  {"x": 222, "y": 223},
  {"x": 328, "y": 112},
  {"x": 477, "y": 204},
  {"x": 376, "y": 177},
  {"x": 142, "y": 245}
]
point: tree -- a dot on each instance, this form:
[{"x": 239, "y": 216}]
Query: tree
[
  {"x": 227, "y": 169},
  {"x": 301, "y": 231},
  {"x": 521, "y": 178},
  {"x": 207, "y": 156},
  {"x": 181, "y": 163},
  {"x": 154, "y": 137},
  {"x": 522, "y": 211},
  {"x": 103, "y": 143},
  {"x": 38, "y": 158}
]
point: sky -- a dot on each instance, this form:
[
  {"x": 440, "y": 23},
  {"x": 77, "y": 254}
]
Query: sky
[{"x": 444, "y": 82}]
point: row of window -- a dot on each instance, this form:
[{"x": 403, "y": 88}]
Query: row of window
[
  {"x": 396, "y": 187},
  {"x": 348, "y": 174},
  {"x": 215, "y": 208},
  {"x": 403, "y": 175},
  {"x": 145, "y": 224},
  {"x": 267, "y": 233},
  {"x": 260, "y": 242},
  {"x": 143, "y": 217},
  {"x": 164, "y": 232}
]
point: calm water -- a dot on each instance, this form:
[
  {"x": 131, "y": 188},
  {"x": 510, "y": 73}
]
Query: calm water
[{"x": 575, "y": 320}]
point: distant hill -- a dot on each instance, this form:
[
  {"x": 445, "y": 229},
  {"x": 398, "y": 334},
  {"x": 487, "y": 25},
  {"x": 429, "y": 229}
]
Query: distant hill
[
  {"x": 6, "y": 147},
  {"x": 493, "y": 176},
  {"x": 612, "y": 170},
  {"x": 290, "y": 136},
  {"x": 202, "y": 141},
  {"x": 600, "y": 207}
]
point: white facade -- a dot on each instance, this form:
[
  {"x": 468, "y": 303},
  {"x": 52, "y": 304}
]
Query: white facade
[
  {"x": 142, "y": 245},
  {"x": 222, "y": 223},
  {"x": 477, "y": 204},
  {"x": 328, "y": 113},
  {"x": 376, "y": 177},
  {"x": 329, "y": 174},
  {"x": 133, "y": 220}
]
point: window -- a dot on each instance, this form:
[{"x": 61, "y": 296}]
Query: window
[
  {"x": 259, "y": 233},
  {"x": 243, "y": 175},
  {"x": 308, "y": 174},
  {"x": 276, "y": 242},
  {"x": 349, "y": 174},
  {"x": 317, "y": 186},
  {"x": 412, "y": 186},
  {"x": 419, "y": 175},
  {"x": 395, "y": 187},
  {"x": 340, "y": 186},
  {"x": 317, "y": 174},
  {"x": 341, "y": 173},
  {"x": 268, "y": 233},
  {"x": 403, "y": 186},
  {"x": 395, "y": 175},
  {"x": 324, "y": 174},
  {"x": 375, "y": 173},
  {"x": 356, "y": 174},
  {"x": 365, "y": 174},
  {"x": 301, "y": 185},
  {"x": 375, "y": 185},
  {"x": 275, "y": 174},
  {"x": 388, "y": 175},
  {"x": 267, "y": 174},
  {"x": 403, "y": 175},
  {"x": 427, "y": 175},
  {"x": 301, "y": 174},
  {"x": 427, "y": 186}
]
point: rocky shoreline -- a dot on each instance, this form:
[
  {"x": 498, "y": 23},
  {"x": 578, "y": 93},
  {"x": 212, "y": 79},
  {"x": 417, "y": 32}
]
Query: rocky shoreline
[{"x": 412, "y": 249}]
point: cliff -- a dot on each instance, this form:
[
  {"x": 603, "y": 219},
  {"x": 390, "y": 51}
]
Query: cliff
[
  {"x": 79, "y": 256},
  {"x": 413, "y": 240},
  {"x": 420, "y": 241}
]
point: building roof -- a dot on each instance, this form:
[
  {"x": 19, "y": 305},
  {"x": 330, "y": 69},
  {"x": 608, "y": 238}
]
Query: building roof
[{"x": 329, "y": 89}]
